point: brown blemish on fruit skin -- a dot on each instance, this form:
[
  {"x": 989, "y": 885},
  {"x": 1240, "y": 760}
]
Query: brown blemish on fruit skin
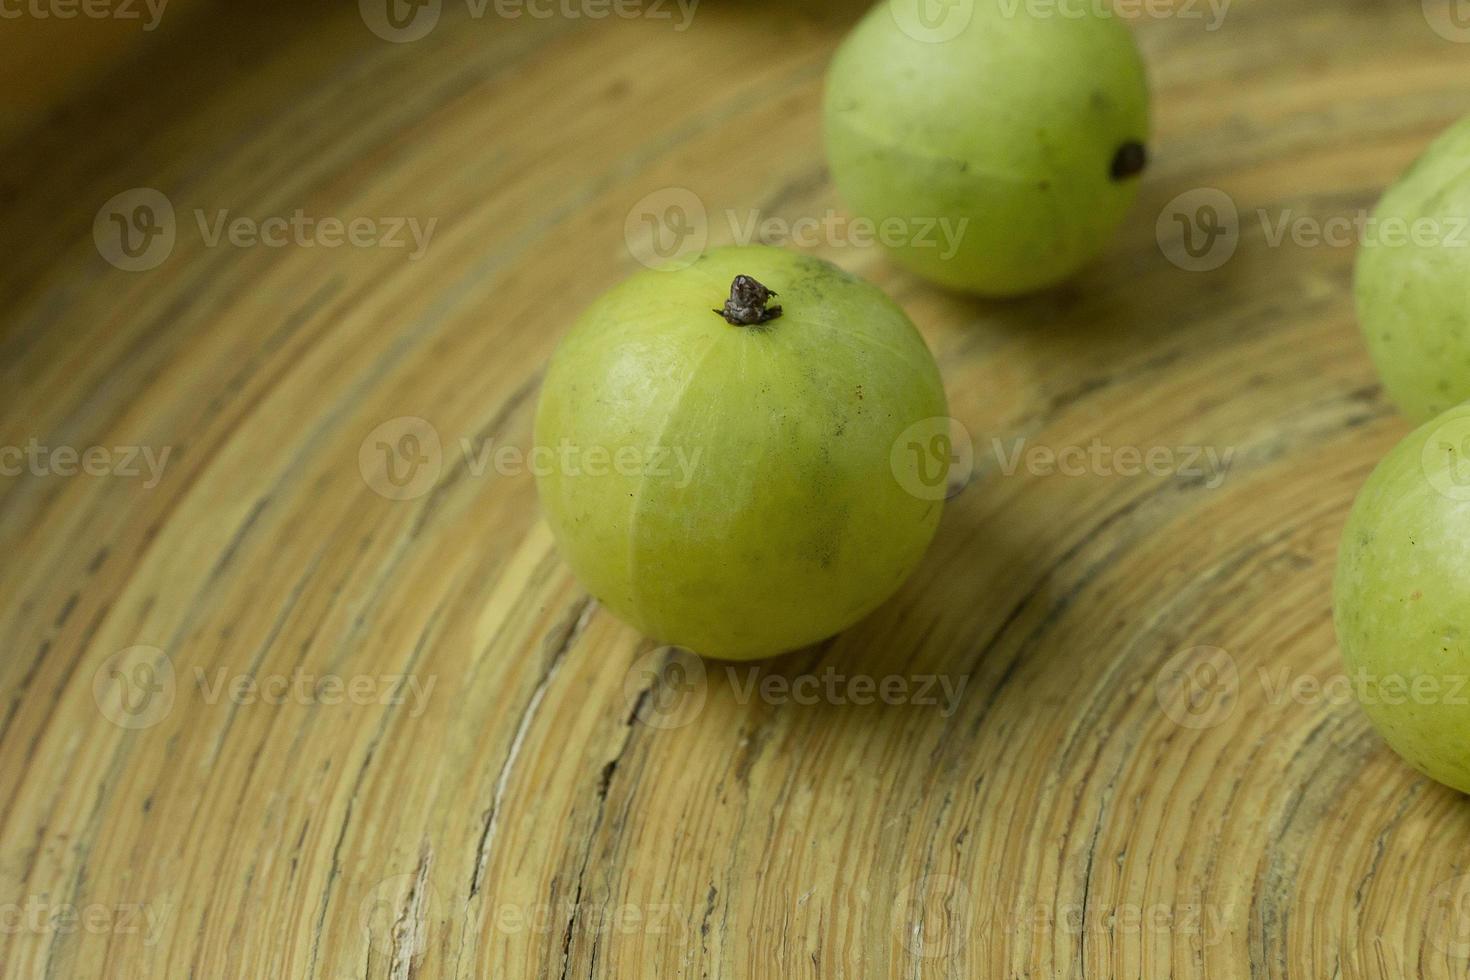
[{"x": 1129, "y": 161}]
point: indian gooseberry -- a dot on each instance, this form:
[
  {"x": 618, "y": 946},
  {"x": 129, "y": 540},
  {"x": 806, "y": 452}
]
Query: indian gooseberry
[
  {"x": 1018, "y": 129},
  {"x": 1402, "y": 598},
  {"x": 1411, "y": 283},
  {"x": 729, "y": 474}
]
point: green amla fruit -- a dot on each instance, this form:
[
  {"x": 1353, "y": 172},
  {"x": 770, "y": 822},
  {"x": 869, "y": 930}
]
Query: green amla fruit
[
  {"x": 727, "y": 448},
  {"x": 1413, "y": 280},
  {"x": 1402, "y": 598},
  {"x": 1020, "y": 130}
]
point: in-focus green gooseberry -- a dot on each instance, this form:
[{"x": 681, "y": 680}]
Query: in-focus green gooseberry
[
  {"x": 728, "y": 481},
  {"x": 1021, "y": 128},
  {"x": 1413, "y": 280},
  {"x": 1402, "y": 598}
]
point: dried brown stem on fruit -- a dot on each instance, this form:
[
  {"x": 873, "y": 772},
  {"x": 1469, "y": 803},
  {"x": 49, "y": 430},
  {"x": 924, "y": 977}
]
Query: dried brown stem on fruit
[
  {"x": 1129, "y": 161},
  {"x": 746, "y": 306}
]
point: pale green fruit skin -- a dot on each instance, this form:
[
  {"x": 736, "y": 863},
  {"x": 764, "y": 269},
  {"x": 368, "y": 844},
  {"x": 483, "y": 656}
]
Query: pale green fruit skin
[
  {"x": 1414, "y": 299},
  {"x": 793, "y": 525},
  {"x": 1402, "y": 598},
  {"x": 1013, "y": 124}
]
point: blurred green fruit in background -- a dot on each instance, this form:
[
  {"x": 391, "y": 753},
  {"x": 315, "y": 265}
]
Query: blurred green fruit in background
[
  {"x": 1025, "y": 125},
  {"x": 1413, "y": 280}
]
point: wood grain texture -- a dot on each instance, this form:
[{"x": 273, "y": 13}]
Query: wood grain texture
[
  {"x": 543, "y": 797},
  {"x": 46, "y": 58}
]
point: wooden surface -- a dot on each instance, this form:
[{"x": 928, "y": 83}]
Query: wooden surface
[
  {"x": 46, "y": 59},
  {"x": 1105, "y": 796}
]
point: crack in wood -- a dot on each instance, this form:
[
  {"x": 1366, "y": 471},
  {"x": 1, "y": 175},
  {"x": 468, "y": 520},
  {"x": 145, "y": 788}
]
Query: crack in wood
[
  {"x": 410, "y": 929},
  {"x": 575, "y": 623},
  {"x": 604, "y": 785}
]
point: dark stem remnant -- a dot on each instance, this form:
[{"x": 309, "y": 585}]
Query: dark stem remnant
[
  {"x": 747, "y": 303},
  {"x": 1129, "y": 161}
]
